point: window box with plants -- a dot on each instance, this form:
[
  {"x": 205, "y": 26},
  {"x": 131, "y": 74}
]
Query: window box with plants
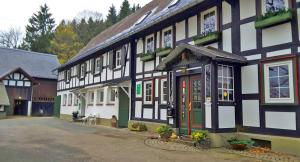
[
  {"x": 162, "y": 52},
  {"x": 206, "y": 38},
  {"x": 273, "y": 18},
  {"x": 148, "y": 56}
]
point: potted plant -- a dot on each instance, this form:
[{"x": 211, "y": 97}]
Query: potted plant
[
  {"x": 136, "y": 126},
  {"x": 273, "y": 17},
  {"x": 237, "y": 144},
  {"x": 75, "y": 115},
  {"x": 148, "y": 56},
  {"x": 165, "y": 132},
  {"x": 162, "y": 52},
  {"x": 206, "y": 38},
  {"x": 201, "y": 139}
]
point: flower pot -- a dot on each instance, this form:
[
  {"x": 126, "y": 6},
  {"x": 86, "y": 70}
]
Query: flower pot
[{"x": 238, "y": 146}]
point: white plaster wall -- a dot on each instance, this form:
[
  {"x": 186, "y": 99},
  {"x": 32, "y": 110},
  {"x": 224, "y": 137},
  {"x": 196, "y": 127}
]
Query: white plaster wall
[
  {"x": 156, "y": 109},
  {"x": 139, "y": 65},
  {"x": 138, "y": 109},
  {"x": 105, "y": 59},
  {"x": 127, "y": 70},
  {"x": 251, "y": 113},
  {"x": 157, "y": 39},
  {"x": 298, "y": 17},
  {"x": 97, "y": 79},
  {"x": 226, "y": 9},
  {"x": 117, "y": 74},
  {"x": 279, "y": 34},
  {"x": 250, "y": 79},
  {"x": 163, "y": 114},
  {"x": 248, "y": 36},
  {"x": 215, "y": 45},
  {"x": 180, "y": 31},
  {"x": 253, "y": 57},
  {"x": 279, "y": 53},
  {"x": 208, "y": 122},
  {"x": 226, "y": 117},
  {"x": 247, "y": 8},
  {"x": 103, "y": 75},
  {"x": 109, "y": 74},
  {"x": 281, "y": 120},
  {"x": 139, "y": 48},
  {"x": 105, "y": 111},
  {"x": 156, "y": 87},
  {"x": 227, "y": 42},
  {"x": 149, "y": 65},
  {"x": 193, "y": 26},
  {"x": 148, "y": 113}
]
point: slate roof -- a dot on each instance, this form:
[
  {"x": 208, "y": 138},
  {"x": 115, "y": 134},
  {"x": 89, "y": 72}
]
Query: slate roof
[
  {"x": 3, "y": 95},
  {"x": 127, "y": 27},
  {"x": 200, "y": 51},
  {"x": 37, "y": 65}
]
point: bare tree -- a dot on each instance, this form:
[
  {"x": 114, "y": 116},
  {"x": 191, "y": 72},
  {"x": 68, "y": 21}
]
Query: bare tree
[{"x": 10, "y": 38}]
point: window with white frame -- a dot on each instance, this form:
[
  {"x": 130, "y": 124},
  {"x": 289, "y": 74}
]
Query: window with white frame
[
  {"x": 274, "y": 5},
  {"x": 225, "y": 83},
  {"x": 91, "y": 97},
  {"x": 64, "y": 100},
  {"x": 168, "y": 38},
  {"x": 150, "y": 45},
  {"x": 118, "y": 59},
  {"x": 279, "y": 82},
  {"x": 100, "y": 96},
  {"x": 209, "y": 21},
  {"x": 112, "y": 95},
  {"x": 70, "y": 98},
  {"x": 2, "y": 108},
  {"x": 148, "y": 92},
  {"x": 76, "y": 100},
  {"x": 82, "y": 70},
  {"x": 98, "y": 64},
  {"x": 164, "y": 91}
]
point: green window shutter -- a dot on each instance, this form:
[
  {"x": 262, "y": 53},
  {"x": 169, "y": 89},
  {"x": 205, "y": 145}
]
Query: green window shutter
[
  {"x": 111, "y": 60},
  {"x": 123, "y": 55}
]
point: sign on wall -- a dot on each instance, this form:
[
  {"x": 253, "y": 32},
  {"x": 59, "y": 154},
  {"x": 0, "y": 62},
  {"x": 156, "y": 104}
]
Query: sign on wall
[{"x": 139, "y": 89}]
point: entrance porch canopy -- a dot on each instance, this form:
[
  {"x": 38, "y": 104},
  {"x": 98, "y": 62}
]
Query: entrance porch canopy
[{"x": 199, "y": 52}]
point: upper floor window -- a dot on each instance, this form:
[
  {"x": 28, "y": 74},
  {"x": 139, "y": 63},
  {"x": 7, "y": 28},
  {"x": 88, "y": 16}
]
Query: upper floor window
[
  {"x": 274, "y": 5},
  {"x": 225, "y": 83},
  {"x": 98, "y": 64},
  {"x": 164, "y": 91},
  {"x": 82, "y": 70},
  {"x": 150, "y": 45},
  {"x": 118, "y": 59},
  {"x": 209, "y": 21},
  {"x": 148, "y": 92},
  {"x": 168, "y": 38},
  {"x": 279, "y": 82}
]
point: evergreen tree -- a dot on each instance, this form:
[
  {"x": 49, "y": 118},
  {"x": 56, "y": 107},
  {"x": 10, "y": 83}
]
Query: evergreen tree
[
  {"x": 112, "y": 17},
  {"x": 39, "y": 31},
  {"x": 125, "y": 10}
]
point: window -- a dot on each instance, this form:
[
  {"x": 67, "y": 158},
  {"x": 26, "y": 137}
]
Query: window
[
  {"x": 118, "y": 59},
  {"x": 64, "y": 100},
  {"x": 209, "y": 21},
  {"x": 76, "y": 100},
  {"x": 225, "y": 83},
  {"x": 279, "y": 82},
  {"x": 100, "y": 96},
  {"x": 164, "y": 91},
  {"x": 148, "y": 92},
  {"x": 150, "y": 45},
  {"x": 82, "y": 70},
  {"x": 112, "y": 95},
  {"x": 2, "y": 108},
  {"x": 274, "y": 5},
  {"x": 68, "y": 75},
  {"x": 91, "y": 98},
  {"x": 168, "y": 38},
  {"x": 70, "y": 97},
  {"x": 207, "y": 82},
  {"x": 98, "y": 64}
]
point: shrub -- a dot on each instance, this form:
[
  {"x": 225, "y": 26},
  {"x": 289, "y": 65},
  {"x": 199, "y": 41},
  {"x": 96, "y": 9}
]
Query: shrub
[
  {"x": 137, "y": 126},
  {"x": 199, "y": 135},
  {"x": 164, "y": 131}
]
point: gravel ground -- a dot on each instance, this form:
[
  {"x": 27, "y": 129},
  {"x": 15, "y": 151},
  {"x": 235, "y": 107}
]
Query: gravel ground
[{"x": 54, "y": 140}]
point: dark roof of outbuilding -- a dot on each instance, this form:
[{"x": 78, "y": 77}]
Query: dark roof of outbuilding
[
  {"x": 125, "y": 28},
  {"x": 37, "y": 65},
  {"x": 200, "y": 51}
]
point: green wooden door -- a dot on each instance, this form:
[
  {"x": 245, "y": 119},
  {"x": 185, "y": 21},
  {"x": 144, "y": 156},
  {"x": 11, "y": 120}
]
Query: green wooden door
[
  {"x": 190, "y": 104},
  {"x": 57, "y": 101},
  {"x": 123, "y": 108}
]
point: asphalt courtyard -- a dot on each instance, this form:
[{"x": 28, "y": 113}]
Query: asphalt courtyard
[{"x": 55, "y": 140}]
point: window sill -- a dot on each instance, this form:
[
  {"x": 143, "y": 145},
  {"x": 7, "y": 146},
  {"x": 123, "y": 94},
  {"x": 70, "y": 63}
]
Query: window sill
[
  {"x": 110, "y": 104},
  {"x": 99, "y": 104},
  {"x": 90, "y": 104}
]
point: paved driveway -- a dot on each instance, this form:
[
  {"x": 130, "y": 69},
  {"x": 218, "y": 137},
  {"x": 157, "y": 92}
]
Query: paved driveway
[{"x": 54, "y": 140}]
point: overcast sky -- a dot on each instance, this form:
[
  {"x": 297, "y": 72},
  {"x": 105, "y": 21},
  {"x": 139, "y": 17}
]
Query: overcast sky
[{"x": 15, "y": 13}]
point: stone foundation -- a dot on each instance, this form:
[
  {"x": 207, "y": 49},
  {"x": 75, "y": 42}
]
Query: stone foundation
[{"x": 151, "y": 126}]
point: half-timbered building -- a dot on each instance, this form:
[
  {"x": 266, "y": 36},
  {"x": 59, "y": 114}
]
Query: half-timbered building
[
  {"x": 217, "y": 65},
  {"x": 29, "y": 82}
]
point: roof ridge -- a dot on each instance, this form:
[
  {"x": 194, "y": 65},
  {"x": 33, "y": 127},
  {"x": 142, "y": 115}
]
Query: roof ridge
[{"x": 31, "y": 52}]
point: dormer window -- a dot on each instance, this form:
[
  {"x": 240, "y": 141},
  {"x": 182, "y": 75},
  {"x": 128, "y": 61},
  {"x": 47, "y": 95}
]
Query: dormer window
[
  {"x": 150, "y": 45},
  {"x": 173, "y": 3},
  {"x": 140, "y": 20},
  {"x": 209, "y": 20},
  {"x": 274, "y": 5}
]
